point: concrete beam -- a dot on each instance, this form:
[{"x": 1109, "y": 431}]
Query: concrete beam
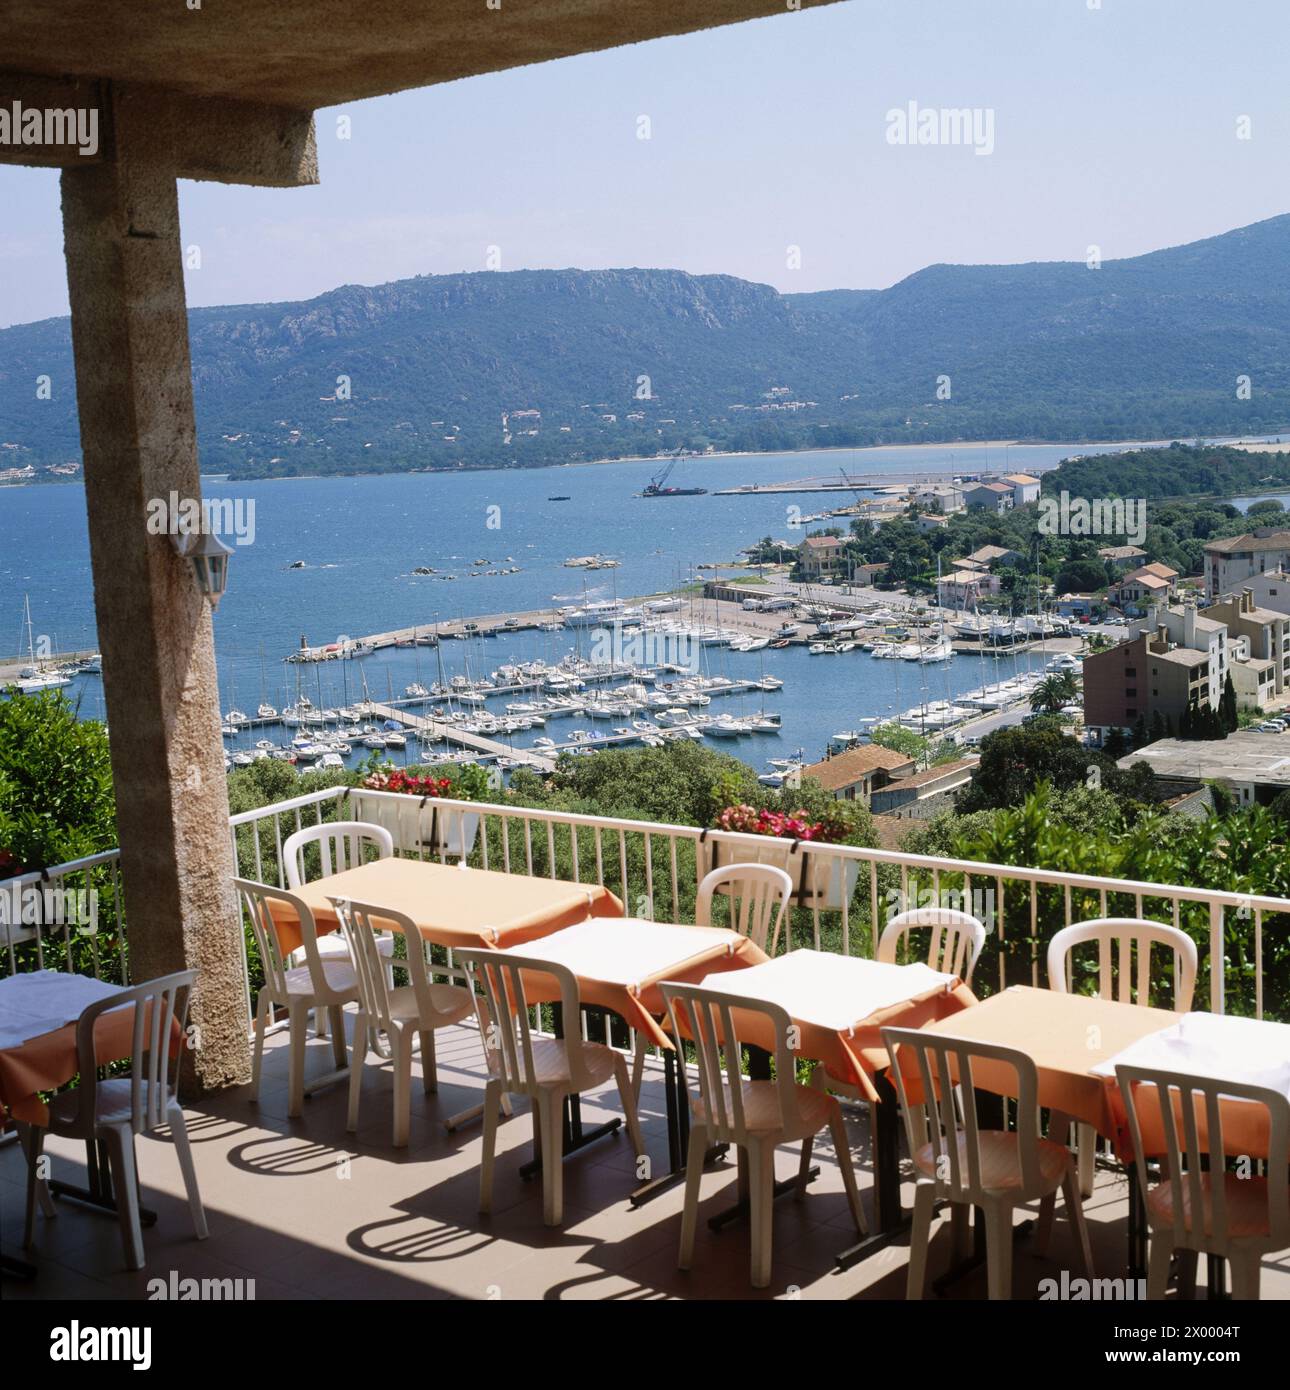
[
  {"x": 67, "y": 123},
  {"x": 134, "y": 394}
]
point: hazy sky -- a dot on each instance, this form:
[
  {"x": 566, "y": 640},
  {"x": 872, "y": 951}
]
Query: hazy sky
[{"x": 1113, "y": 125}]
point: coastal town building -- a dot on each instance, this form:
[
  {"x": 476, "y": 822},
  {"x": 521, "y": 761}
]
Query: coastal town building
[
  {"x": 1232, "y": 562},
  {"x": 819, "y": 556},
  {"x": 922, "y": 795},
  {"x": 856, "y": 774},
  {"x": 1266, "y": 633},
  {"x": 961, "y": 588},
  {"x": 990, "y": 555},
  {"x": 1145, "y": 586},
  {"x": 1024, "y": 488},
  {"x": 1155, "y": 673},
  {"x": 1253, "y": 767},
  {"x": 991, "y": 497},
  {"x": 1271, "y": 590},
  {"x": 937, "y": 497},
  {"x": 1125, "y": 556}
]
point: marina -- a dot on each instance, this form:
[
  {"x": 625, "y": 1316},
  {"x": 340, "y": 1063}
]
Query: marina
[{"x": 500, "y": 658}]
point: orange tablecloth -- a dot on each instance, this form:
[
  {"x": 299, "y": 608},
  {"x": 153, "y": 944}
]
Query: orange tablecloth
[
  {"x": 453, "y": 907},
  {"x": 1067, "y": 1035},
  {"x": 854, "y": 1052},
  {"x": 49, "y": 1061},
  {"x": 635, "y": 996}
]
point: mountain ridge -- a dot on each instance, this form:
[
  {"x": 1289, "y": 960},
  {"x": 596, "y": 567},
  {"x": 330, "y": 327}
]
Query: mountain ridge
[{"x": 449, "y": 370}]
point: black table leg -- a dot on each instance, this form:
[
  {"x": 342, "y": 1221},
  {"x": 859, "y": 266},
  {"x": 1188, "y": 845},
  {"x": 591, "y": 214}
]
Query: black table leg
[
  {"x": 574, "y": 1136},
  {"x": 889, "y": 1216},
  {"x": 1137, "y": 1223},
  {"x": 98, "y": 1195}
]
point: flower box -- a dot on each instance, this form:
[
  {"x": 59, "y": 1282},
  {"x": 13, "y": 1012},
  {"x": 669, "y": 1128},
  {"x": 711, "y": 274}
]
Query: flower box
[{"x": 826, "y": 882}]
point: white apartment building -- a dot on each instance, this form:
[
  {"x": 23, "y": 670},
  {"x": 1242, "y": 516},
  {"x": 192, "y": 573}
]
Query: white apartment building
[{"x": 1231, "y": 563}]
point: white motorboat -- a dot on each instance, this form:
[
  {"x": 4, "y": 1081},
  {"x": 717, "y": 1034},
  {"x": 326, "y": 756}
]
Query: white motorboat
[{"x": 265, "y": 711}]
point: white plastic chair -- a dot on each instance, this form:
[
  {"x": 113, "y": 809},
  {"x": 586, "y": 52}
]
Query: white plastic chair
[
  {"x": 322, "y": 982},
  {"x": 544, "y": 1069},
  {"x": 403, "y": 1013},
  {"x": 342, "y": 845},
  {"x": 1130, "y": 936},
  {"x": 113, "y": 1112},
  {"x": 758, "y": 894},
  {"x": 1119, "y": 940},
  {"x": 1238, "y": 1218},
  {"x": 957, "y": 1161},
  {"x": 757, "y": 1116},
  {"x": 957, "y": 939}
]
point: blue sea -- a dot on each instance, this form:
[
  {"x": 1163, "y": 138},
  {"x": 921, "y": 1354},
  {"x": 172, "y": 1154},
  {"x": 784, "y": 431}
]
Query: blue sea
[{"x": 360, "y": 538}]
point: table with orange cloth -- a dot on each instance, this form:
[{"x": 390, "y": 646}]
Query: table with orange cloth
[
  {"x": 1075, "y": 1040},
  {"x": 45, "y": 1058},
  {"x": 838, "y": 1004},
  {"x": 1067, "y": 1036},
  {"x": 618, "y": 963},
  {"x": 452, "y": 906}
]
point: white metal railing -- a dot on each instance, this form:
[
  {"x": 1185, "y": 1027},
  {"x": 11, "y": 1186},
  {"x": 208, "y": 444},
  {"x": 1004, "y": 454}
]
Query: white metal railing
[
  {"x": 658, "y": 880},
  {"x": 654, "y": 867},
  {"x": 60, "y": 913}
]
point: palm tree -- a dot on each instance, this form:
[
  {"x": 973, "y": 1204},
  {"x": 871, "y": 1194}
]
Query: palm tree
[{"x": 1053, "y": 692}]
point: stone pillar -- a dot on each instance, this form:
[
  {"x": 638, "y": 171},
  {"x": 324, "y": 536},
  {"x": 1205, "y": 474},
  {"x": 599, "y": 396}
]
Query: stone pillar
[{"x": 134, "y": 392}]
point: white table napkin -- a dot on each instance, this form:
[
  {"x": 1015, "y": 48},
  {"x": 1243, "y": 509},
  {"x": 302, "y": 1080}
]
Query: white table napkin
[
  {"x": 1251, "y": 1051},
  {"x": 829, "y": 990},
  {"x": 624, "y": 950}
]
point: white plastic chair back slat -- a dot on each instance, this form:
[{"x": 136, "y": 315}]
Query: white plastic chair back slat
[
  {"x": 756, "y": 893},
  {"x": 371, "y": 974},
  {"x": 946, "y": 1116},
  {"x": 157, "y": 1004},
  {"x": 1118, "y": 940},
  {"x": 957, "y": 939},
  {"x": 508, "y": 1032},
  {"x": 341, "y": 845},
  {"x": 1192, "y": 1159},
  {"x": 706, "y": 1016}
]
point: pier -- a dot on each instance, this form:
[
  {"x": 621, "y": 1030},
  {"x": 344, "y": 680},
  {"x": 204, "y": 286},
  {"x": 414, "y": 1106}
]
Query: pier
[{"x": 436, "y": 729}]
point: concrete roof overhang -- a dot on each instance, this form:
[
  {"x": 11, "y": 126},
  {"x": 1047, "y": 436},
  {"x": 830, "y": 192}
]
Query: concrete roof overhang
[{"x": 306, "y": 54}]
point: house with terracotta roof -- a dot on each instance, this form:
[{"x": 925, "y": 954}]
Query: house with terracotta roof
[
  {"x": 856, "y": 774},
  {"x": 922, "y": 795},
  {"x": 820, "y": 555},
  {"x": 1145, "y": 586}
]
